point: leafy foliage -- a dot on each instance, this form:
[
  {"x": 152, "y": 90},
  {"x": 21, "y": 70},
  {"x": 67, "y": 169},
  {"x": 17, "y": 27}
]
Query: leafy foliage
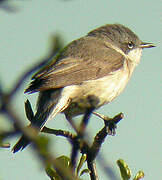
[{"x": 125, "y": 171}]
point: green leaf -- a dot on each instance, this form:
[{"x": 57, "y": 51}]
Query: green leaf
[
  {"x": 52, "y": 173},
  {"x": 64, "y": 161},
  {"x": 81, "y": 162},
  {"x": 139, "y": 175},
  {"x": 84, "y": 171},
  {"x": 2, "y": 144},
  {"x": 124, "y": 169}
]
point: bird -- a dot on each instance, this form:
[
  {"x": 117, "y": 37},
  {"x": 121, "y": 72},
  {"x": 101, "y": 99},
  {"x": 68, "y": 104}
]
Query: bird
[{"x": 94, "y": 68}]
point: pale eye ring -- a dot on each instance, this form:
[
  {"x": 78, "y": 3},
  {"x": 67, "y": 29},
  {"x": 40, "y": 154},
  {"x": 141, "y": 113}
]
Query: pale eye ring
[{"x": 130, "y": 45}]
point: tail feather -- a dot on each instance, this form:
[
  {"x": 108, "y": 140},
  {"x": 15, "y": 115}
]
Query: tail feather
[
  {"x": 46, "y": 109},
  {"x": 34, "y": 86},
  {"x": 39, "y": 121},
  {"x": 21, "y": 144}
]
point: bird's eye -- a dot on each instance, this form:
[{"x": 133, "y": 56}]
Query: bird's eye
[{"x": 130, "y": 45}]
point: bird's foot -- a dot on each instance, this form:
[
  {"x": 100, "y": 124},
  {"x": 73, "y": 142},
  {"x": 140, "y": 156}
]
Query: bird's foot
[
  {"x": 111, "y": 127},
  {"x": 110, "y": 123}
]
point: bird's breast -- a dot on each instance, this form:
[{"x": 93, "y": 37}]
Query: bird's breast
[
  {"x": 104, "y": 89},
  {"x": 108, "y": 87}
]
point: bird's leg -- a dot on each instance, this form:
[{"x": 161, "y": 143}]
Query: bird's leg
[
  {"x": 111, "y": 126},
  {"x": 71, "y": 122},
  {"x": 105, "y": 118},
  {"x": 110, "y": 123}
]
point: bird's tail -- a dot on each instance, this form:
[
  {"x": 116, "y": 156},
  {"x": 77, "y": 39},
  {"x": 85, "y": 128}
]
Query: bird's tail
[
  {"x": 49, "y": 104},
  {"x": 39, "y": 121},
  {"x": 21, "y": 144}
]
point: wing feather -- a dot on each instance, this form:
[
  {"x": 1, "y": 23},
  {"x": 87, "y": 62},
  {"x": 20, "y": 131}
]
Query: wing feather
[{"x": 93, "y": 64}]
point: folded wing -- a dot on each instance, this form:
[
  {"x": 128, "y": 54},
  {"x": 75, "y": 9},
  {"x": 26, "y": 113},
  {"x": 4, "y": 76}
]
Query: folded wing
[{"x": 71, "y": 70}]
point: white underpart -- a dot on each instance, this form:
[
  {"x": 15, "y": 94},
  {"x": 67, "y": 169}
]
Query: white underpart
[
  {"x": 63, "y": 102},
  {"x": 135, "y": 54},
  {"x": 105, "y": 89}
]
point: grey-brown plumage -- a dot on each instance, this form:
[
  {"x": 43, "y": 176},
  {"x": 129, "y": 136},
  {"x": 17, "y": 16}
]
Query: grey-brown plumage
[
  {"x": 98, "y": 65},
  {"x": 80, "y": 62}
]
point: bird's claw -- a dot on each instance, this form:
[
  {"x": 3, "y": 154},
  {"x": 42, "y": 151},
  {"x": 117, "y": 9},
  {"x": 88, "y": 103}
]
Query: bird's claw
[
  {"x": 111, "y": 127},
  {"x": 110, "y": 123}
]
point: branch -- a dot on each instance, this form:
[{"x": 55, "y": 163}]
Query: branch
[
  {"x": 101, "y": 135},
  {"x": 59, "y": 132},
  {"x": 7, "y": 110},
  {"x": 93, "y": 151},
  {"x": 80, "y": 134},
  {"x": 93, "y": 170}
]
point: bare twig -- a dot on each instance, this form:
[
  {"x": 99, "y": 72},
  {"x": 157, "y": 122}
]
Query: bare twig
[
  {"x": 74, "y": 153},
  {"x": 47, "y": 157},
  {"x": 1, "y": 91},
  {"x": 101, "y": 135},
  {"x": 85, "y": 121},
  {"x": 6, "y": 109},
  {"x": 96, "y": 146},
  {"x": 93, "y": 170},
  {"x": 81, "y": 132},
  {"x": 59, "y": 132}
]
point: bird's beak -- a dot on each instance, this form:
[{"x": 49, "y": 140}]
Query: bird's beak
[{"x": 146, "y": 45}]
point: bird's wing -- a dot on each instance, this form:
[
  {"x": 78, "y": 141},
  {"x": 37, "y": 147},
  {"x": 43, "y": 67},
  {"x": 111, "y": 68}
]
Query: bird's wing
[{"x": 70, "y": 71}]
